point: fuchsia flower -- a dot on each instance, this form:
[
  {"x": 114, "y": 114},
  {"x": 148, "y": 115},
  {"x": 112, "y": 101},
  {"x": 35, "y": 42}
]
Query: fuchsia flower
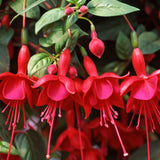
[
  {"x": 144, "y": 94},
  {"x": 96, "y": 46},
  {"x": 15, "y": 90},
  {"x": 56, "y": 90},
  {"x": 101, "y": 92}
]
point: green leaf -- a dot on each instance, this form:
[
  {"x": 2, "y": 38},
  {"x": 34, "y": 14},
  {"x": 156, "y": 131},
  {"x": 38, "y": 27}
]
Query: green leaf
[
  {"x": 70, "y": 20},
  {"x": 149, "y": 42},
  {"x": 38, "y": 64},
  {"x": 123, "y": 47},
  {"x": 141, "y": 153},
  {"x": 110, "y": 28},
  {"x": 71, "y": 1},
  {"x": 4, "y": 59},
  {"x": 0, "y": 2},
  {"x": 49, "y": 17},
  {"x": 140, "y": 29},
  {"x": 80, "y": 2},
  {"x": 108, "y": 8},
  {"x": 53, "y": 37},
  {"x": 4, "y": 147},
  {"x": 30, "y": 146},
  {"x": 32, "y": 9},
  {"x": 5, "y": 35}
]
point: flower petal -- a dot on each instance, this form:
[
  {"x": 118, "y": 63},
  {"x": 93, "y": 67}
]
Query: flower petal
[
  {"x": 103, "y": 88},
  {"x": 57, "y": 91},
  {"x": 14, "y": 89},
  {"x": 145, "y": 90},
  {"x": 87, "y": 84}
]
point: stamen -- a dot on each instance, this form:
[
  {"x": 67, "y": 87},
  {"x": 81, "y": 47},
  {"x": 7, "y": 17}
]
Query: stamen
[
  {"x": 101, "y": 119},
  {"x": 147, "y": 135},
  {"x": 50, "y": 132},
  {"x": 139, "y": 117},
  {"x": 8, "y": 115},
  {"x": 9, "y": 128},
  {"x": 24, "y": 117},
  {"x": 60, "y": 113},
  {"x": 5, "y": 107},
  {"x": 19, "y": 111},
  {"x": 132, "y": 119}
]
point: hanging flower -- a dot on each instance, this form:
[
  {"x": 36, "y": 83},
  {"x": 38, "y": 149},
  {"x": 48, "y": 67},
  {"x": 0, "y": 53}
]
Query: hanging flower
[
  {"x": 56, "y": 90},
  {"x": 15, "y": 90},
  {"x": 144, "y": 94},
  {"x": 101, "y": 92}
]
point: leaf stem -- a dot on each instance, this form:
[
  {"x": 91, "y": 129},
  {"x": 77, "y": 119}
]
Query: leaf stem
[
  {"x": 129, "y": 24},
  {"x": 24, "y": 14}
]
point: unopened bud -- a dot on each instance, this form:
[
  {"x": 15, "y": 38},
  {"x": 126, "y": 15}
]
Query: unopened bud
[
  {"x": 52, "y": 69},
  {"x": 84, "y": 9},
  {"x": 68, "y": 11}
]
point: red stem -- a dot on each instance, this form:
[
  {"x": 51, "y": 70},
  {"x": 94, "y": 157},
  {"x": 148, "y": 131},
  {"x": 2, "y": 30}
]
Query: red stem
[{"x": 129, "y": 24}]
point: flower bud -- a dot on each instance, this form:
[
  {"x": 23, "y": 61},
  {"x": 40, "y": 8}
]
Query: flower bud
[
  {"x": 72, "y": 72},
  {"x": 84, "y": 9},
  {"x": 96, "y": 46},
  {"x": 68, "y": 11},
  {"x": 52, "y": 69},
  {"x": 5, "y": 21},
  {"x": 148, "y": 9},
  {"x": 138, "y": 62},
  {"x": 149, "y": 57}
]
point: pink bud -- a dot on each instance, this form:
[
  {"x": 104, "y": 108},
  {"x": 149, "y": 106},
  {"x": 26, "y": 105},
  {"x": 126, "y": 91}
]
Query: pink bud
[
  {"x": 148, "y": 9},
  {"x": 52, "y": 69},
  {"x": 84, "y": 9},
  {"x": 96, "y": 46},
  {"x": 90, "y": 66},
  {"x": 23, "y": 59},
  {"x": 68, "y": 11},
  {"x": 138, "y": 62},
  {"x": 72, "y": 72},
  {"x": 64, "y": 62}
]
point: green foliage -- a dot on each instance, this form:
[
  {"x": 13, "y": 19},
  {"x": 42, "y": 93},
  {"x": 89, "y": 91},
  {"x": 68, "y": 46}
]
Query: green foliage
[
  {"x": 123, "y": 47},
  {"x": 49, "y": 17},
  {"x": 108, "y": 8},
  {"x": 32, "y": 9},
  {"x": 4, "y": 146},
  {"x": 149, "y": 42},
  {"x": 38, "y": 64},
  {"x": 30, "y": 145},
  {"x": 78, "y": 3}
]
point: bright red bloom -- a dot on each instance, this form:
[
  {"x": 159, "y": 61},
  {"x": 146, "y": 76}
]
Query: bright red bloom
[
  {"x": 101, "y": 92},
  {"x": 96, "y": 46},
  {"x": 15, "y": 90},
  {"x": 56, "y": 90},
  {"x": 144, "y": 93}
]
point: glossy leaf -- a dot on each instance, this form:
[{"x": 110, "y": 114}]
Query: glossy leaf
[
  {"x": 32, "y": 9},
  {"x": 80, "y": 2},
  {"x": 38, "y": 63},
  {"x": 123, "y": 47},
  {"x": 71, "y": 1},
  {"x": 49, "y": 17},
  {"x": 53, "y": 37},
  {"x": 149, "y": 42},
  {"x": 69, "y": 21},
  {"x": 30, "y": 146},
  {"x": 4, "y": 146},
  {"x": 141, "y": 153},
  {"x": 108, "y": 8}
]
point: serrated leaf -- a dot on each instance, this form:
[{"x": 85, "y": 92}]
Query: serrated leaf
[
  {"x": 38, "y": 63},
  {"x": 30, "y": 146},
  {"x": 32, "y": 9},
  {"x": 4, "y": 59},
  {"x": 5, "y": 35},
  {"x": 48, "y": 17},
  {"x": 123, "y": 47},
  {"x": 4, "y": 147},
  {"x": 149, "y": 42},
  {"x": 108, "y": 8},
  {"x": 69, "y": 21},
  {"x": 141, "y": 153}
]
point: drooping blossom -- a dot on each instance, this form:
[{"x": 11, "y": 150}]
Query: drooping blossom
[
  {"x": 132, "y": 138},
  {"x": 96, "y": 46},
  {"x": 15, "y": 90},
  {"x": 101, "y": 92},
  {"x": 55, "y": 92},
  {"x": 144, "y": 94}
]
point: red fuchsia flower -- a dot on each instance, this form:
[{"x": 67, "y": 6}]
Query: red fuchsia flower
[
  {"x": 96, "y": 46},
  {"x": 15, "y": 90},
  {"x": 107, "y": 137},
  {"x": 101, "y": 92},
  {"x": 144, "y": 94},
  {"x": 56, "y": 90},
  {"x": 12, "y": 157}
]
